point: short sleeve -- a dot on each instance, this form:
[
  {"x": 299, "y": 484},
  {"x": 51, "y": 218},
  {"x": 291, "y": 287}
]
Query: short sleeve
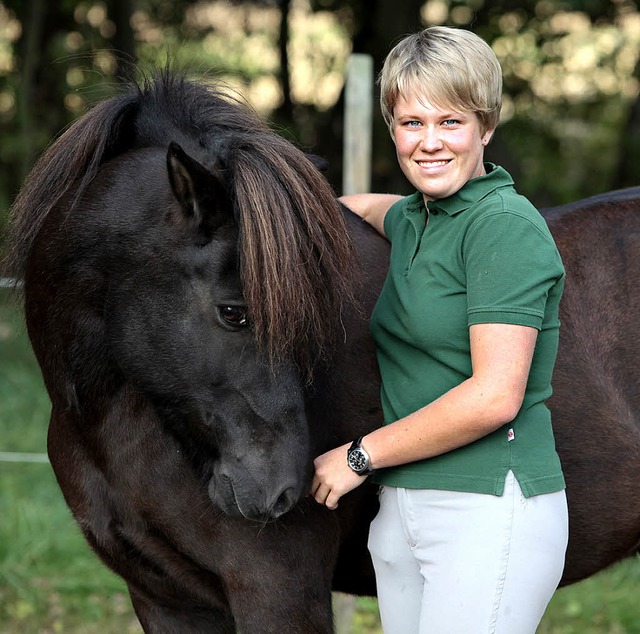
[{"x": 511, "y": 263}]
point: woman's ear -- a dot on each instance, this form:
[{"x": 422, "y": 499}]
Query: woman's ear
[{"x": 486, "y": 137}]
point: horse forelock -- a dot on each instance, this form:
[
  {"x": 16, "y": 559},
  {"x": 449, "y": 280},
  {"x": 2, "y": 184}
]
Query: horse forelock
[
  {"x": 296, "y": 259},
  {"x": 296, "y": 256}
]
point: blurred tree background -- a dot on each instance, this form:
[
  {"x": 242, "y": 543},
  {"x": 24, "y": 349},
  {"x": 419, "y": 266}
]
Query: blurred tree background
[{"x": 571, "y": 117}]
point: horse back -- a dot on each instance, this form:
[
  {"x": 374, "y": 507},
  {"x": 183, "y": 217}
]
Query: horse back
[{"x": 596, "y": 400}]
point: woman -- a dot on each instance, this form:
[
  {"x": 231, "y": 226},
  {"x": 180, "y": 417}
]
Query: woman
[{"x": 472, "y": 528}]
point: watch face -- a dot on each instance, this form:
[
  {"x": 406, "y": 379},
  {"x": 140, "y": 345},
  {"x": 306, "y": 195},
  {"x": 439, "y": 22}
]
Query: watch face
[{"x": 358, "y": 461}]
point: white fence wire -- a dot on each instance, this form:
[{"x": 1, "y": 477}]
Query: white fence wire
[{"x": 15, "y": 456}]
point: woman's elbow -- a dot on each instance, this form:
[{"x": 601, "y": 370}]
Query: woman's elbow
[
  {"x": 501, "y": 409},
  {"x": 506, "y": 408}
]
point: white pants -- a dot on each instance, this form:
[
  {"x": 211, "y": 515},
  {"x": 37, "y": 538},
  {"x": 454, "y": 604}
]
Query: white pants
[{"x": 466, "y": 563}]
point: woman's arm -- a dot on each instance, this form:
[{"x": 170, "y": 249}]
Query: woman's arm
[
  {"x": 501, "y": 358},
  {"x": 371, "y": 207}
]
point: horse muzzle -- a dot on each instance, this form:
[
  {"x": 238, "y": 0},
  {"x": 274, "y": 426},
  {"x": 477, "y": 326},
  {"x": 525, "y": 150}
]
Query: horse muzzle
[{"x": 242, "y": 496}]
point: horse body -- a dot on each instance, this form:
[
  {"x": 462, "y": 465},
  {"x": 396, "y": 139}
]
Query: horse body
[
  {"x": 183, "y": 428},
  {"x": 185, "y": 276},
  {"x": 145, "y": 501},
  {"x": 596, "y": 402}
]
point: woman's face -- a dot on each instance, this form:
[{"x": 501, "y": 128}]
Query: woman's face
[{"x": 439, "y": 150}]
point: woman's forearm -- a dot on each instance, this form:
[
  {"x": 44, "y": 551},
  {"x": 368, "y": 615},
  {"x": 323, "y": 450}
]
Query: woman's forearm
[
  {"x": 501, "y": 358},
  {"x": 459, "y": 417}
]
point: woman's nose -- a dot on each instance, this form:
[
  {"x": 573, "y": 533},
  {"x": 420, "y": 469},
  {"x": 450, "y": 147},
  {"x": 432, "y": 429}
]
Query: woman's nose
[{"x": 430, "y": 139}]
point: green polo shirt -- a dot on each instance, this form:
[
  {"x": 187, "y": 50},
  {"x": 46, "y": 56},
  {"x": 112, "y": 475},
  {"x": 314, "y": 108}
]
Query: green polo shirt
[{"x": 483, "y": 255}]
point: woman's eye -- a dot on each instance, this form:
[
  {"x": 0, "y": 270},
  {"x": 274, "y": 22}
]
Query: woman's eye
[
  {"x": 234, "y": 315},
  {"x": 450, "y": 122}
]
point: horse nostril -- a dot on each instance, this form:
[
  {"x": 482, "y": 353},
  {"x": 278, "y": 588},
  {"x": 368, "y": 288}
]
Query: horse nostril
[{"x": 284, "y": 502}]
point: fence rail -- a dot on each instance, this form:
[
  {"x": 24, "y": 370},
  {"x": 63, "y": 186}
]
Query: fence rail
[{"x": 14, "y": 456}]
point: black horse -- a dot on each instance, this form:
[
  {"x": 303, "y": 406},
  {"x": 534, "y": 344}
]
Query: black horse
[{"x": 198, "y": 303}]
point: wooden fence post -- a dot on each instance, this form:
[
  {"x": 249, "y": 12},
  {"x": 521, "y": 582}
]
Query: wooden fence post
[
  {"x": 358, "y": 125},
  {"x": 356, "y": 179}
]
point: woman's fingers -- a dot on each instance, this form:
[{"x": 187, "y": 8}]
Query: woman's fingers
[{"x": 323, "y": 495}]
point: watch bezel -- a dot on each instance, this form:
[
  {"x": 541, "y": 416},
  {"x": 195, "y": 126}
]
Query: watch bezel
[{"x": 358, "y": 459}]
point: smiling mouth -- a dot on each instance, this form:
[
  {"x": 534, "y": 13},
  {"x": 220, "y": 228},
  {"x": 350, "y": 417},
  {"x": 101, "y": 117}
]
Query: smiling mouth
[{"x": 433, "y": 163}]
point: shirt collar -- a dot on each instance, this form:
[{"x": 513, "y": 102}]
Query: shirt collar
[{"x": 472, "y": 192}]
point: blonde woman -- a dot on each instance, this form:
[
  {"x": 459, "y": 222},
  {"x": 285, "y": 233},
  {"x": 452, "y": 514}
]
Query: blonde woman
[{"x": 472, "y": 528}]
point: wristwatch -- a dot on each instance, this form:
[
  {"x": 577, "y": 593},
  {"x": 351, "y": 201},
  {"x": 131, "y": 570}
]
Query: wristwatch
[{"x": 358, "y": 459}]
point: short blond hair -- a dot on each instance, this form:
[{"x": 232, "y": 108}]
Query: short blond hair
[{"x": 450, "y": 68}]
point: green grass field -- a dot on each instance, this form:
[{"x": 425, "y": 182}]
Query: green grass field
[{"x": 51, "y": 583}]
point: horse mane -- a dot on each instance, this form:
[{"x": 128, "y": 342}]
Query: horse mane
[{"x": 296, "y": 258}]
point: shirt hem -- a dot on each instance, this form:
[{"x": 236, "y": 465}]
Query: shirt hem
[{"x": 474, "y": 484}]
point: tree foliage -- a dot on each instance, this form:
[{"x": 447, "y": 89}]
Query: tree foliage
[{"x": 571, "y": 118}]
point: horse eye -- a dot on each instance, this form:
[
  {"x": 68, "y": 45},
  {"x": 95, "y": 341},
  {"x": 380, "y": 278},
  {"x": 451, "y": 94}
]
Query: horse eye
[{"x": 234, "y": 315}]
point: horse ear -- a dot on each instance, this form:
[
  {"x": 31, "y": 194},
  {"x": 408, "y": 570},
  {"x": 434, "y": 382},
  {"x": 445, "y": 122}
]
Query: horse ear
[{"x": 202, "y": 193}]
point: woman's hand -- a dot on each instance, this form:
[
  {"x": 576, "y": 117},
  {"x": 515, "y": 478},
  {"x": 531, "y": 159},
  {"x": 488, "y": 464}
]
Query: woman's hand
[{"x": 333, "y": 477}]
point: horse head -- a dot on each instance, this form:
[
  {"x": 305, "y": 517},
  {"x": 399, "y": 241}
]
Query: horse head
[
  {"x": 179, "y": 328},
  {"x": 210, "y": 259}
]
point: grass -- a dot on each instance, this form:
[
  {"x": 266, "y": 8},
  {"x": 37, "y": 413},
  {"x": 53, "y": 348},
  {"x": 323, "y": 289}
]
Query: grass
[{"x": 50, "y": 582}]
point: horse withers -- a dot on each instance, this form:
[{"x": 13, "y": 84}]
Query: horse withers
[{"x": 198, "y": 304}]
